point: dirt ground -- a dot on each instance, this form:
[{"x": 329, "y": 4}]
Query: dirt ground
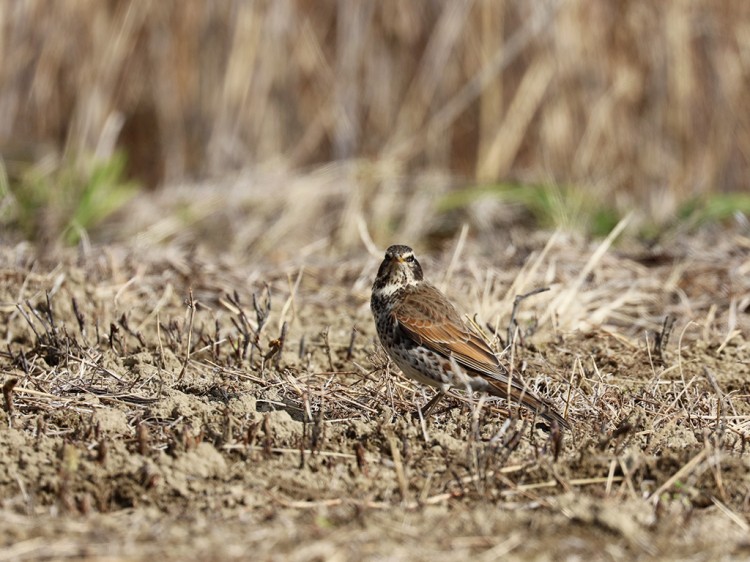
[{"x": 175, "y": 403}]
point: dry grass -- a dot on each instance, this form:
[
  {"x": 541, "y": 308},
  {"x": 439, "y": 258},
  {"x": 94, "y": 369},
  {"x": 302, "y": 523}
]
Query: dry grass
[
  {"x": 250, "y": 395},
  {"x": 212, "y": 387},
  {"x": 639, "y": 103}
]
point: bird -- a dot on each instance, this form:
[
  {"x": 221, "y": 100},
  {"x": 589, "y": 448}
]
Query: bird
[{"x": 425, "y": 335}]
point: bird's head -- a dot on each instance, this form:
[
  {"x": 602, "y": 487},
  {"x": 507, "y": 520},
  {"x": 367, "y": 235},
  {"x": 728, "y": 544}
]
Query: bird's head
[{"x": 399, "y": 269}]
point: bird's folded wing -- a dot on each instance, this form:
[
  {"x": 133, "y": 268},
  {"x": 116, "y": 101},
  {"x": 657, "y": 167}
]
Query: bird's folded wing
[{"x": 442, "y": 330}]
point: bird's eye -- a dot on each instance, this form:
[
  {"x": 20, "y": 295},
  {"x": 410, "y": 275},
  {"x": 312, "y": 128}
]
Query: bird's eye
[{"x": 410, "y": 259}]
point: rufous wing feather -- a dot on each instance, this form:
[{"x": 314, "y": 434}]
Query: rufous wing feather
[{"x": 431, "y": 320}]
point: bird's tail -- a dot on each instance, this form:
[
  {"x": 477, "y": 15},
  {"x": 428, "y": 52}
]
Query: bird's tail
[{"x": 521, "y": 394}]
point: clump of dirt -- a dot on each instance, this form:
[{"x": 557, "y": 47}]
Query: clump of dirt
[{"x": 184, "y": 412}]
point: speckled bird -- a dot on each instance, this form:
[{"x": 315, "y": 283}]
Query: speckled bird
[{"x": 427, "y": 338}]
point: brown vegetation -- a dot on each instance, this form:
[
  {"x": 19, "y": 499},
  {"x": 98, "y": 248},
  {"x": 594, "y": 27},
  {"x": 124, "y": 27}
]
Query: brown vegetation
[
  {"x": 636, "y": 102},
  {"x": 199, "y": 377},
  {"x": 183, "y": 405}
]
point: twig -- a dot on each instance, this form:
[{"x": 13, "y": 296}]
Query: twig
[
  {"x": 516, "y": 303},
  {"x": 350, "y": 349},
  {"x": 327, "y": 347},
  {"x": 28, "y": 319},
  {"x": 662, "y": 338},
  {"x": 79, "y": 318},
  {"x": 261, "y": 316},
  {"x": 41, "y": 320},
  {"x": 191, "y": 308},
  {"x": 48, "y": 311},
  {"x": 719, "y": 394},
  {"x": 290, "y": 301},
  {"x": 232, "y": 302},
  {"x": 456, "y": 256}
]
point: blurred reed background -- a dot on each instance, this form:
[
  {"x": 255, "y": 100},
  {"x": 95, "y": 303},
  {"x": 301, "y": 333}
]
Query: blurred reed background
[{"x": 636, "y": 104}]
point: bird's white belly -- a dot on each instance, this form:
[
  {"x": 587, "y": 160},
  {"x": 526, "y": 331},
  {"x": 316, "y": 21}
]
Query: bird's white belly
[{"x": 420, "y": 365}]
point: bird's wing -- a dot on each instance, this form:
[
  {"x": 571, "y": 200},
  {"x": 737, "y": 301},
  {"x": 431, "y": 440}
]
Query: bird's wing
[
  {"x": 432, "y": 321},
  {"x": 429, "y": 319}
]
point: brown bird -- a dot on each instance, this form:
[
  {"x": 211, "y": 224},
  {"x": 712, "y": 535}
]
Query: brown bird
[{"x": 426, "y": 337}]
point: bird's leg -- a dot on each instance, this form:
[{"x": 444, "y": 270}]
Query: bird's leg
[{"x": 427, "y": 408}]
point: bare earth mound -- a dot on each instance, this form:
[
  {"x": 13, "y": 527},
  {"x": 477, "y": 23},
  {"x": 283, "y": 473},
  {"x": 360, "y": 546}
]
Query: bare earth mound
[{"x": 164, "y": 404}]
